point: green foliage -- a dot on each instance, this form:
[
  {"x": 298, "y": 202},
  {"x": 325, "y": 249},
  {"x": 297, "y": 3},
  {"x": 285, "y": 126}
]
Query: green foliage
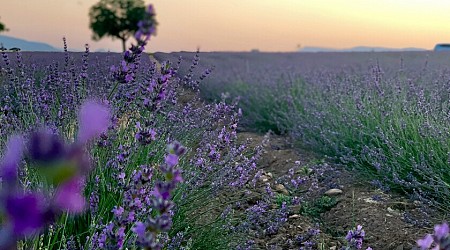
[
  {"x": 280, "y": 198},
  {"x": 314, "y": 209},
  {"x": 264, "y": 107},
  {"x": 116, "y": 18}
]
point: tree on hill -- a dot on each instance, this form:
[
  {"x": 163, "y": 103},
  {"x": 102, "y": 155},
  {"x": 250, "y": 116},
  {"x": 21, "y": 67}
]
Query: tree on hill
[{"x": 117, "y": 19}]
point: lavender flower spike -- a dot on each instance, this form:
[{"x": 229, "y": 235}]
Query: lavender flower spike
[
  {"x": 171, "y": 160},
  {"x": 355, "y": 237},
  {"x": 139, "y": 229},
  {"x": 94, "y": 119}
]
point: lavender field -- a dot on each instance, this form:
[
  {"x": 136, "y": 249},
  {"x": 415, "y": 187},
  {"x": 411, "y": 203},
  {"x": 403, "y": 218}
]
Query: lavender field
[
  {"x": 224, "y": 150},
  {"x": 384, "y": 116}
]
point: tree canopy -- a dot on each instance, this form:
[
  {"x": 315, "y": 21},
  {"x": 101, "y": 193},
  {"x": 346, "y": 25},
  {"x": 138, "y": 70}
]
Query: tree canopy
[
  {"x": 116, "y": 19},
  {"x": 2, "y": 27}
]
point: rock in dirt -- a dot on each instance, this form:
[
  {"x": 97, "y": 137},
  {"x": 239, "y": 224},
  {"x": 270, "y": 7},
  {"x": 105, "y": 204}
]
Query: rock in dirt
[
  {"x": 333, "y": 191},
  {"x": 393, "y": 211},
  {"x": 263, "y": 179},
  {"x": 370, "y": 200},
  {"x": 281, "y": 189},
  {"x": 294, "y": 216}
]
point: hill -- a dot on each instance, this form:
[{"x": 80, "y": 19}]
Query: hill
[{"x": 11, "y": 42}]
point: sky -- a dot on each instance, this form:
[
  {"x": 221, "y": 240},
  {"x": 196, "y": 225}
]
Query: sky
[{"x": 243, "y": 25}]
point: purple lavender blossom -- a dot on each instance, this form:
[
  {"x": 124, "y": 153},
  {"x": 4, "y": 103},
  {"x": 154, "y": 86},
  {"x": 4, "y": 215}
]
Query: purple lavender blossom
[
  {"x": 355, "y": 237},
  {"x": 69, "y": 196},
  {"x": 176, "y": 148},
  {"x": 25, "y": 212},
  {"x": 162, "y": 190},
  {"x": 139, "y": 229},
  {"x": 426, "y": 242},
  {"x": 171, "y": 160},
  {"x": 440, "y": 239},
  {"x": 45, "y": 147},
  {"x": 441, "y": 231},
  {"x": 147, "y": 26},
  {"x": 94, "y": 120}
]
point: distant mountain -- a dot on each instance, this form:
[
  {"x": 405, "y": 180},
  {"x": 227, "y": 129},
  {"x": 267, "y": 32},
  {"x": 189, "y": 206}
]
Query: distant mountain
[
  {"x": 358, "y": 49},
  {"x": 12, "y": 42}
]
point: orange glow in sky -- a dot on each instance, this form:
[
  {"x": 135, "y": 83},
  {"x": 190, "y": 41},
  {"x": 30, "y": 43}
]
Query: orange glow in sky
[{"x": 242, "y": 25}]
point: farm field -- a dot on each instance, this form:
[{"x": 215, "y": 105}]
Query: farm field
[
  {"x": 305, "y": 153},
  {"x": 377, "y": 115},
  {"x": 295, "y": 125}
]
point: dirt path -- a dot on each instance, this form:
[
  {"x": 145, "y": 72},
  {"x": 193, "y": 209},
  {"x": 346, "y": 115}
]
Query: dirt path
[
  {"x": 390, "y": 221},
  {"x": 153, "y": 60}
]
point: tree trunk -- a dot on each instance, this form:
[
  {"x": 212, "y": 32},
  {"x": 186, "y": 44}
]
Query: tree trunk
[{"x": 123, "y": 44}]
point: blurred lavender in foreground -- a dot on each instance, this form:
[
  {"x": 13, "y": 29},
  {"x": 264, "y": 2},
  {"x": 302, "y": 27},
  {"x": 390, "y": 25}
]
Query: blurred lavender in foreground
[
  {"x": 65, "y": 166},
  {"x": 94, "y": 120},
  {"x": 440, "y": 240},
  {"x": 147, "y": 26}
]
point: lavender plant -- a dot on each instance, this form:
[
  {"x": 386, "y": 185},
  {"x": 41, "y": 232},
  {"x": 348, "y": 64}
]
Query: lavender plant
[{"x": 355, "y": 238}]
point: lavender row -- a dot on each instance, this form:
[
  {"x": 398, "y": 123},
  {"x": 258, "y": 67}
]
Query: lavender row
[{"x": 98, "y": 164}]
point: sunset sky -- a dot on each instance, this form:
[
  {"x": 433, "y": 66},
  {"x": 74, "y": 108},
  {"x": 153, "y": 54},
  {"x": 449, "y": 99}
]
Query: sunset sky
[{"x": 242, "y": 25}]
